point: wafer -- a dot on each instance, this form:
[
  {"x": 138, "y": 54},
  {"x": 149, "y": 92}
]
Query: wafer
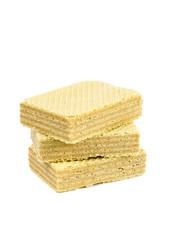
[
  {"x": 66, "y": 176},
  {"x": 80, "y": 111},
  {"x": 121, "y": 140}
]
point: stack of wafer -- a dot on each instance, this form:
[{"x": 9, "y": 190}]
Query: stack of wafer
[{"x": 84, "y": 134}]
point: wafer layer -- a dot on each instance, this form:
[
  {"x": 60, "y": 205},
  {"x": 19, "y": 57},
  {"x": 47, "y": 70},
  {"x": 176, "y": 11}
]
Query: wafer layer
[
  {"x": 123, "y": 139},
  {"x": 81, "y": 110},
  {"x": 66, "y": 176}
]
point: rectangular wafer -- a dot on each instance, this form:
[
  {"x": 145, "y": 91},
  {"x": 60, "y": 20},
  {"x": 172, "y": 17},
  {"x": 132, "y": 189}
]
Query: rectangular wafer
[
  {"x": 66, "y": 176},
  {"x": 121, "y": 140},
  {"x": 80, "y": 111}
]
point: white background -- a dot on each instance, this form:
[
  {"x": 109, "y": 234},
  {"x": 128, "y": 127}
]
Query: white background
[{"x": 45, "y": 45}]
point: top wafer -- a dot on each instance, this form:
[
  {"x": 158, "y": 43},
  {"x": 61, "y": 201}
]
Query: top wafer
[{"x": 81, "y": 110}]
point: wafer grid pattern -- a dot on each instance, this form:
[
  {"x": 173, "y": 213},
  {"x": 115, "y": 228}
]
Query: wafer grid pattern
[{"x": 81, "y": 98}]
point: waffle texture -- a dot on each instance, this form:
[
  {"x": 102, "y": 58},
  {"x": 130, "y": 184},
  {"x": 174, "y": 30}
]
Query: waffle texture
[
  {"x": 80, "y": 111},
  {"x": 121, "y": 140},
  {"x": 66, "y": 176}
]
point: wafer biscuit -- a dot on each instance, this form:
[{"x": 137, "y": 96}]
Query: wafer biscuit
[
  {"x": 121, "y": 140},
  {"x": 66, "y": 176},
  {"x": 79, "y": 111}
]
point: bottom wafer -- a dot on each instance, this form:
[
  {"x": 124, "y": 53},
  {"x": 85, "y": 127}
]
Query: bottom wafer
[{"x": 66, "y": 176}]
